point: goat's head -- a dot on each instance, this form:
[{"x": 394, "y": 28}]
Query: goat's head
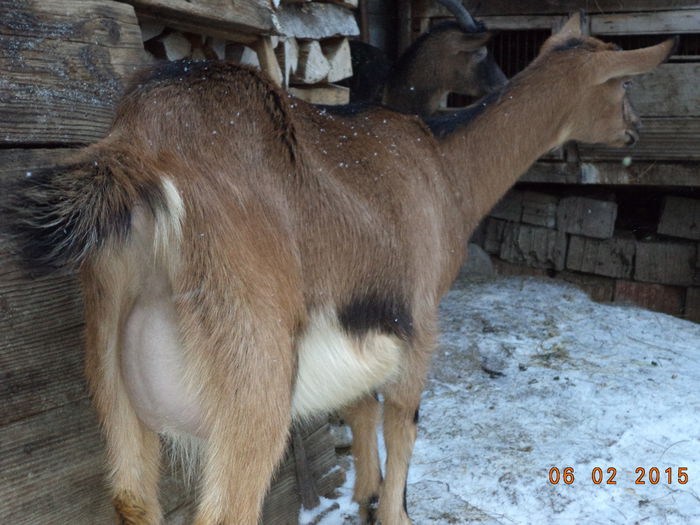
[
  {"x": 600, "y": 74},
  {"x": 467, "y": 66}
]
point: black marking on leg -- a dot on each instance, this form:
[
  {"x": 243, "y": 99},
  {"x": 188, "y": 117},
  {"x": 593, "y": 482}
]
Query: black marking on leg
[
  {"x": 405, "y": 506},
  {"x": 372, "y": 505},
  {"x": 385, "y": 313},
  {"x": 416, "y": 416}
]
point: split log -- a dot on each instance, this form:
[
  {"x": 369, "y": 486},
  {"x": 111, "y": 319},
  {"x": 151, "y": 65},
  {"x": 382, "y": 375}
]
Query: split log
[
  {"x": 589, "y": 217},
  {"x": 176, "y": 46},
  {"x": 667, "y": 263},
  {"x": 242, "y": 55},
  {"x": 509, "y": 208},
  {"x": 533, "y": 246},
  {"x": 328, "y": 94},
  {"x": 313, "y": 66},
  {"x": 539, "y": 209},
  {"x": 610, "y": 257},
  {"x": 337, "y": 52},
  {"x": 288, "y": 58},
  {"x": 680, "y": 218},
  {"x": 316, "y": 21}
]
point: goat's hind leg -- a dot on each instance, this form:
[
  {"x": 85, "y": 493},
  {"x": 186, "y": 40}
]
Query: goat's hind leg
[
  {"x": 363, "y": 418},
  {"x": 248, "y": 418},
  {"x": 133, "y": 451}
]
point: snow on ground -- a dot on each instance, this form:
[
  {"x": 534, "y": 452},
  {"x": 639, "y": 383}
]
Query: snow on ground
[{"x": 531, "y": 375}]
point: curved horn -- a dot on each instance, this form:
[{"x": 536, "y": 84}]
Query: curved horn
[{"x": 466, "y": 21}]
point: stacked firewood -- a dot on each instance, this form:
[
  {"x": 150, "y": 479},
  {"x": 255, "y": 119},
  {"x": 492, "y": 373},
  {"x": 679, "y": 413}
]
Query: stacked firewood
[{"x": 306, "y": 50}]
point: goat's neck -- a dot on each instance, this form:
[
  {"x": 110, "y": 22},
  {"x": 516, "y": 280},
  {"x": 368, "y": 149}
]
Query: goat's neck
[{"x": 487, "y": 156}]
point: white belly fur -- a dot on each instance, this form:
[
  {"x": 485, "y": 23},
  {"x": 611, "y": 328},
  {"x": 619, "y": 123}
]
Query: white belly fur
[{"x": 336, "y": 369}]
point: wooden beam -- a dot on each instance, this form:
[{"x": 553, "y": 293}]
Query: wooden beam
[
  {"x": 268, "y": 60},
  {"x": 615, "y": 174},
  {"x": 661, "y": 22},
  {"x": 480, "y": 8},
  {"x": 236, "y": 18}
]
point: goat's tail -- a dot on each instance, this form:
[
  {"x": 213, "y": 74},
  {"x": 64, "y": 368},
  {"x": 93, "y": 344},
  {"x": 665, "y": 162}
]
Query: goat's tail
[{"x": 59, "y": 216}]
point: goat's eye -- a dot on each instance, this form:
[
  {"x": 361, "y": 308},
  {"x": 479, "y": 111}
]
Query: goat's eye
[{"x": 626, "y": 84}]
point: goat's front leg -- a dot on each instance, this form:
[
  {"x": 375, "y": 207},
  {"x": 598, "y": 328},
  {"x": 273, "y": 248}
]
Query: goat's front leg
[
  {"x": 401, "y": 403},
  {"x": 363, "y": 418}
]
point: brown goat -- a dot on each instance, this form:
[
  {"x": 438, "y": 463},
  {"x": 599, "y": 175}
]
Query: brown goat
[
  {"x": 451, "y": 57},
  {"x": 445, "y": 60},
  {"x": 249, "y": 259}
]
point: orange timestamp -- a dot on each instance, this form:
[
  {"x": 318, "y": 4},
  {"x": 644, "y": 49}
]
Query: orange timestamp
[{"x": 607, "y": 475}]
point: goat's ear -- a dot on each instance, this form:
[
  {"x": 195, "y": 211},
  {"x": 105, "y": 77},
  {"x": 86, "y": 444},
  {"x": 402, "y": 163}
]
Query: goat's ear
[
  {"x": 573, "y": 28},
  {"x": 473, "y": 41},
  {"x": 616, "y": 64}
]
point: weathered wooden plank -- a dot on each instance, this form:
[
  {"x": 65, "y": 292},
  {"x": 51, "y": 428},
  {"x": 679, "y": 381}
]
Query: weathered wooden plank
[
  {"x": 585, "y": 216},
  {"x": 656, "y": 297},
  {"x": 52, "y": 470},
  {"x": 659, "y": 22},
  {"x": 661, "y": 139},
  {"x": 316, "y": 21},
  {"x": 519, "y": 23},
  {"x": 610, "y": 257},
  {"x": 517, "y": 7},
  {"x": 62, "y": 67},
  {"x": 670, "y": 90},
  {"x": 615, "y": 173},
  {"x": 533, "y": 246},
  {"x": 667, "y": 263},
  {"x": 268, "y": 60},
  {"x": 229, "y": 17},
  {"x": 680, "y": 218}
]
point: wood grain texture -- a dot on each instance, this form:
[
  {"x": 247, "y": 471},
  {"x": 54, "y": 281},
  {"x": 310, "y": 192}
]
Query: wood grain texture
[
  {"x": 660, "y": 22},
  {"x": 647, "y": 173},
  {"x": 670, "y": 90},
  {"x": 564, "y": 7},
  {"x": 62, "y": 66},
  {"x": 238, "y": 16}
]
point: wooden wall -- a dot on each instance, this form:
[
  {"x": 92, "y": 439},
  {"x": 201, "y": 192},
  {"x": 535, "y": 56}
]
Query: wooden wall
[{"x": 63, "y": 64}]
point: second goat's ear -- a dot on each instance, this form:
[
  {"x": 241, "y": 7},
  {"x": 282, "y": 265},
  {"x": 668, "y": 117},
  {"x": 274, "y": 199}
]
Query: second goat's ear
[
  {"x": 472, "y": 41},
  {"x": 573, "y": 28}
]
